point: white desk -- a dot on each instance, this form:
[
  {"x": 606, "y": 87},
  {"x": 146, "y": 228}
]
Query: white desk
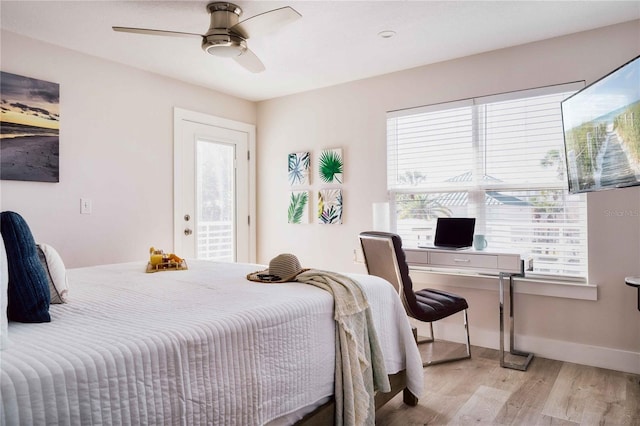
[
  {"x": 634, "y": 282},
  {"x": 486, "y": 262}
]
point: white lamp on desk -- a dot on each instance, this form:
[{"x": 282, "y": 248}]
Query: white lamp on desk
[{"x": 381, "y": 217}]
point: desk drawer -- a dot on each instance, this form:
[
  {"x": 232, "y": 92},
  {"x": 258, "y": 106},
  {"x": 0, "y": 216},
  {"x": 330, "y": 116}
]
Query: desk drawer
[
  {"x": 416, "y": 256},
  {"x": 463, "y": 260}
]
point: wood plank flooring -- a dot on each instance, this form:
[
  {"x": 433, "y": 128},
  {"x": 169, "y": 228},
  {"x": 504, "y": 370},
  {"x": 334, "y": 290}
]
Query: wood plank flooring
[{"x": 479, "y": 392}]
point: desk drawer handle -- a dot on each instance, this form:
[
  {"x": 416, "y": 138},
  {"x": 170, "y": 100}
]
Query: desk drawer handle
[{"x": 462, "y": 260}]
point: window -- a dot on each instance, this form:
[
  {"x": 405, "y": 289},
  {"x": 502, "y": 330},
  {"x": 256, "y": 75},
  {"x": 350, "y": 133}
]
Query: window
[{"x": 499, "y": 159}]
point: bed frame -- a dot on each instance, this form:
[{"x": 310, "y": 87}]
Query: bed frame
[{"x": 325, "y": 414}]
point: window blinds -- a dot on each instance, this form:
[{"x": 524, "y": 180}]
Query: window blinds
[{"x": 499, "y": 159}]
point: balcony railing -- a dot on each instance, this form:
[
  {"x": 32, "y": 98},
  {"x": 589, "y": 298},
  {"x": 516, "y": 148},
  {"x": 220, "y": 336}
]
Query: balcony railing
[{"x": 215, "y": 241}]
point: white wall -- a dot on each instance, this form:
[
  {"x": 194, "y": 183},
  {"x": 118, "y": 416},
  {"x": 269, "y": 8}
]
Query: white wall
[
  {"x": 116, "y": 148},
  {"x": 605, "y": 332}
]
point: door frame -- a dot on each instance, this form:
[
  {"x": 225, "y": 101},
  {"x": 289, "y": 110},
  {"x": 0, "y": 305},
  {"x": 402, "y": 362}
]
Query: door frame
[{"x": 180, "y": 115}]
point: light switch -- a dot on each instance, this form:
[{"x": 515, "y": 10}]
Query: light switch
[{"x": 85, "y": 205}]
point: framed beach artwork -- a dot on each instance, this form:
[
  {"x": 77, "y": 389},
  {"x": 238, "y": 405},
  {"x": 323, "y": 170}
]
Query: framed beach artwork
[
  {"x": 330, "y": 206},
  {"x": 299, "y": 167},
  {"x": 29, "y": 129},
  {"x": 298, "y": 207},
  {"x": 330, "y": 166}
]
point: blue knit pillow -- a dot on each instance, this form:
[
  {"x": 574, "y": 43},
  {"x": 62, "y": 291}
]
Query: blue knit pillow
[{"x": 28, "y": 291}]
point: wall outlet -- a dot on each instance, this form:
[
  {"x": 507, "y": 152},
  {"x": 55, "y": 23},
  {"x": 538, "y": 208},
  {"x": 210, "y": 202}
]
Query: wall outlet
[{"x": 85, "y": 205}]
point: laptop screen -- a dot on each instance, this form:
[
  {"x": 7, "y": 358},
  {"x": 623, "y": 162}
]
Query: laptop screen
[{"x": 454, "y": 231}]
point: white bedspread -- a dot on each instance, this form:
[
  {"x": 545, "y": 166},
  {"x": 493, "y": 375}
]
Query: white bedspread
[{"x": 202, "y": 346}]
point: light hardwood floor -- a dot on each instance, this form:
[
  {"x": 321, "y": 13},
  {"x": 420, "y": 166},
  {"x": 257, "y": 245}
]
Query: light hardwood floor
[{"x": 479, "y": 392}]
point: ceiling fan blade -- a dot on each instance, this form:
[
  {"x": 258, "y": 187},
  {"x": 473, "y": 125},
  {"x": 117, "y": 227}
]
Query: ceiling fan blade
[
  {"x": 250, "y": 61},
  {"x": 265, "y": 22},
  {"x": 147, "y": 31}
]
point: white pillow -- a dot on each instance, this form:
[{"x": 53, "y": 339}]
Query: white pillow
[
  {"x": 56, "y": 271},
  {"x": 4, "y": 296}
]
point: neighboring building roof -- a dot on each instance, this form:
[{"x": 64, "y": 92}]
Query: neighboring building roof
[{"x": 493, "y": 198}]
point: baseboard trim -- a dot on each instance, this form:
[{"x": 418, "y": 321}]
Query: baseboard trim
[
  {"x": 577, "y": 353},
  {"x": 596, "y": 356}
]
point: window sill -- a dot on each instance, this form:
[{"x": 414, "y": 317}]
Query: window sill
[{"x": 533, "y": 286}]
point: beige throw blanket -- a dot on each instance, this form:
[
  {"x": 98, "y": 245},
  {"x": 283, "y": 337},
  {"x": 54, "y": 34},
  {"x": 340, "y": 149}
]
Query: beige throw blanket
[{"x": 359, "y": 361}]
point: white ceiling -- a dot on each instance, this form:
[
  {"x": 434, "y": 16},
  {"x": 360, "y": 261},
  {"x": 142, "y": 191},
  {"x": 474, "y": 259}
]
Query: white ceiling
[{"x": 334, "y": 42}]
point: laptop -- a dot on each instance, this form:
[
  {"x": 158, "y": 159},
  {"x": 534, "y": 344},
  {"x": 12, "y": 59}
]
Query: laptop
[{"x": 453, "y": 233}]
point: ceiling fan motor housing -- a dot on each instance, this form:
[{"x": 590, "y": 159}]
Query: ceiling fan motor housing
[{"x": 219, "y": 41}]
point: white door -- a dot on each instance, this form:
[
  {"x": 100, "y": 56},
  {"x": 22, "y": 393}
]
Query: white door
[{"x": 213, "y": 195}]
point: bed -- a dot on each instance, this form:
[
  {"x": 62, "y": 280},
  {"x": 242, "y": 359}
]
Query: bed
[{"x": 198, "y": 346}]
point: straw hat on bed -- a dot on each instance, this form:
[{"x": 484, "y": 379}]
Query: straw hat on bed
[{"x": 282, "y": 268}]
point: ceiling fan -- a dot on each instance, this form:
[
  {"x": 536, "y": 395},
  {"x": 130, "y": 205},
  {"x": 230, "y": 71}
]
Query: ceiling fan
[{"x": 227, "y": 37}]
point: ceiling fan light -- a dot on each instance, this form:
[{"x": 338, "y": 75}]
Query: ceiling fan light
[{"x": 224, "y": 45}]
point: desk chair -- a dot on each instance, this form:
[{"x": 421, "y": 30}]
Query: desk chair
[{"x": 385, "y": 258}]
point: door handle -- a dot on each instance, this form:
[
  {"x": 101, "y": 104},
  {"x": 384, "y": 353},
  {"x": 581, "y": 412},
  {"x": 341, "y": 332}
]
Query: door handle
[{"x": 188, "y": 231}]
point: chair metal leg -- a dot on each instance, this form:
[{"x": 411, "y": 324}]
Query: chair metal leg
[
  {"x": 427, "y": 339},
  {"x": 458, "y": 358}
]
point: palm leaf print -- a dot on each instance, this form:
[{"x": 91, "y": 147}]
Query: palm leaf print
[
  {"x": 297, "y": 206},
  {"x": 330, "y": 216},
  {"x": 299, "y": 167},
  {"x": 330, "y": 206},
  {"x": 331, "y": 166}
]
